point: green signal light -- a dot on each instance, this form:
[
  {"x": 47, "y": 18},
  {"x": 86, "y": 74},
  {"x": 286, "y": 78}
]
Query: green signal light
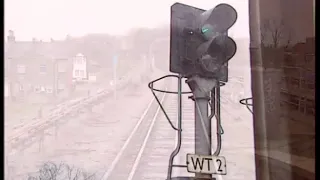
[
  {"x": 207, "y": 31},
  {"x": 204, "y": 30}
]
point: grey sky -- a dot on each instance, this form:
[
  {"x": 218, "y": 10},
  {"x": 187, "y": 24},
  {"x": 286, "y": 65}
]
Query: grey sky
[{"x": 44, "y": 19}]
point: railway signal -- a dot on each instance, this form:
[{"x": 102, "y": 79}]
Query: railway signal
[
  {"x": 200, "y": 49},
  {"x": 199, "y": 41}
]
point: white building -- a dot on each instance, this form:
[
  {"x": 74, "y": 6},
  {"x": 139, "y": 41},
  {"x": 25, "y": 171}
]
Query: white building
[{"x": 79, "y": 71}]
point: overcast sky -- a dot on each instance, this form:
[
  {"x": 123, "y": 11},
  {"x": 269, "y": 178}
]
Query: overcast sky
[{"x": 44, "y": 19}]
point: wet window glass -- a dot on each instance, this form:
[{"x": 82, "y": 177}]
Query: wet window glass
[{"x": 286, "y": 26}]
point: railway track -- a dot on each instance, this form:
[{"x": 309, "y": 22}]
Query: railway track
[
  {"x": 155, "y": 158},
  {"x": 146, "y": 153}
]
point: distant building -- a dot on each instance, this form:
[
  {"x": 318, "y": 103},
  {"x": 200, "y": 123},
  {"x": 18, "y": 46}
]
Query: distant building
[
  {"x": 93, "y": 69},
  {"x": 79, "y": 70},
  {"x": 40, "y": 71},
  {"x": 37, "y": 71}
]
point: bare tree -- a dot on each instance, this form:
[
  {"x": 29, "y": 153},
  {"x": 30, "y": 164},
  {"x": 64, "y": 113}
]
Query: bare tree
[
  {"x": 275, "y": 33},
  {"x": 52, "y": 171}
]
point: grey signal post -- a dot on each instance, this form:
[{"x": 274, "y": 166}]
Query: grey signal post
[{"x": 201, "y": 88}]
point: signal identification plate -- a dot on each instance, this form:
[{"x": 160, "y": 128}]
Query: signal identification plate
[{"x": 206, "y": 164}]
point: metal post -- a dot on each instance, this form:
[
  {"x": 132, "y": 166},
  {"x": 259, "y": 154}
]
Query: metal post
[
  {"x": 56, "y": 130},
  {"x": 201, "y": 89},
  {"x": 11, "y": 76},
  {"x": 218, "y": 119},
  {"x": 152, "y": 63},
  {"x": 202, "y": 127},
  {"x": 55, "y": 93},
  {"x": 115, "y": 83},
  {"x": 41, "y": 141},
  {"x": 259, "y": 114},
  {"x": 179, "y": 131},
  {"x": 55, "y": 78},
  {"x": 115, "y": 76},
  {"x": 151, "y": 56}
]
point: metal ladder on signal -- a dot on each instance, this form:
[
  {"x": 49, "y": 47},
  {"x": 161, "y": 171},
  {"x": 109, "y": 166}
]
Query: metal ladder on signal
[{"x": 215, "y": 112}]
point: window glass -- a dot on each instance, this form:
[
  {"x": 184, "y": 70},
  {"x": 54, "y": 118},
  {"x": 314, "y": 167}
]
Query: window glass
[{"x": 288, "y": 132}]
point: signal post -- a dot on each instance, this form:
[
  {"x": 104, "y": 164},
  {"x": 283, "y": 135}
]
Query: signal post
[{"x": 201, "y": 89}]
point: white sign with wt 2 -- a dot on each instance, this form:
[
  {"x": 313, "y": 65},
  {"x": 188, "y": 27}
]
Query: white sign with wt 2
[{"x": 206, "y": 164}]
